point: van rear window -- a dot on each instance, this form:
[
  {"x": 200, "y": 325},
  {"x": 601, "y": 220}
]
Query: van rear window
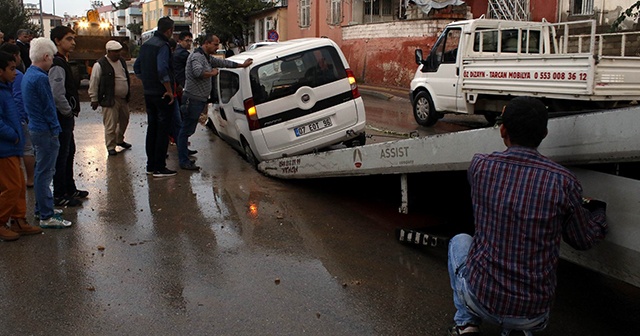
[{"x": 286, "y": 75}]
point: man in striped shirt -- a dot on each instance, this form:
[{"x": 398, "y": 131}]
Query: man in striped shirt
[
  {"x": 200, "y": 69},
  {"x": 524, "y": 204}
]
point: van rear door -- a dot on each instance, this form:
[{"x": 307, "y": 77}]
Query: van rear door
[{"x": 302, "y": 97}]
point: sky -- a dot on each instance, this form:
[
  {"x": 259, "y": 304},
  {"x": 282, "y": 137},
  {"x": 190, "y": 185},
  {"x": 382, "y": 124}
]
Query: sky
[{"x": 72, "y": 7}]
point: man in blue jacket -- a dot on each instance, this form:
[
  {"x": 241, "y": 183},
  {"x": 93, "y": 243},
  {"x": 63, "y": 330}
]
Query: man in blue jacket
[
  {"x": 154, "y": 66},
  {"x": 13, "y": 201},
  {"x": 43, "y": 128}
]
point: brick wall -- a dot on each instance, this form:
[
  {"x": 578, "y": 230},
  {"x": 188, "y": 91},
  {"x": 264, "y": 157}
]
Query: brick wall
[{"x": 383, "y": 53}]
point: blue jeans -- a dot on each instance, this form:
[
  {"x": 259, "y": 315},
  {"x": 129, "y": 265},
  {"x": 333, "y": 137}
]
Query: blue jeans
[
  {"x": 191, "y": 113},
  {"x": 468, "y": 309},
  {"x": 159, "y": 119},
  {"x": 46, "y": 146},
  {"x": 176, "y": 124}
]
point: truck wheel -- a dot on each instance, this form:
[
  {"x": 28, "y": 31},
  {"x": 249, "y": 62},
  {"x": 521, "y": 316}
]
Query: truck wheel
[
  {"x": 491, "y": 117},
  {"x": 423, "y": 109},
  {"x": 248, "y": 154}
]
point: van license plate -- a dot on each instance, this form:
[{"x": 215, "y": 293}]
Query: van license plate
[{"x": 312, "y": 127}]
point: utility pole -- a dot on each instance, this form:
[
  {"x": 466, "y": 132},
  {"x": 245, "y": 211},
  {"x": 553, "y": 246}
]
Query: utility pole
[{"x": 41, "y": 18}]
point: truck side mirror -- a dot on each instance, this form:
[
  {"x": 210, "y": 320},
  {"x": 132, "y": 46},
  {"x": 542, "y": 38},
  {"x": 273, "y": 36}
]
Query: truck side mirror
[{"x": 418, "y": 56}]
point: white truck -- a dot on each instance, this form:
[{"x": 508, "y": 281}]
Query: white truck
[{"x": 477, "y": 66}]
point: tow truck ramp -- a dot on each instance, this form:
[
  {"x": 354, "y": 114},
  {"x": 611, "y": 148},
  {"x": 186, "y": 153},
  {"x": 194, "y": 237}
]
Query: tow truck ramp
[{"x": 610, "y": 136}]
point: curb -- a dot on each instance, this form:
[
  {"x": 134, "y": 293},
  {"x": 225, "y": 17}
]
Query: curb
[{"x": 384, "y": 93}]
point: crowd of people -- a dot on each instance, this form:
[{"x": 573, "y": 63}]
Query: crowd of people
[
  {"x": 44, "y": 141},
  {"x": 177, "y": 87}
]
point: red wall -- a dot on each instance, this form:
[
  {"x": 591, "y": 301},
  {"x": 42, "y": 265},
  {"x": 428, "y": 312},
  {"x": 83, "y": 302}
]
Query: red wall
[
  {"x": 540, "y": 9},
  {"x": 544, "y": 9},
  {"x": 385, "y": 61}
]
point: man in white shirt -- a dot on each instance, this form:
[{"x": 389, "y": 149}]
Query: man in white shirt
[{"x": 109, "y": 88}]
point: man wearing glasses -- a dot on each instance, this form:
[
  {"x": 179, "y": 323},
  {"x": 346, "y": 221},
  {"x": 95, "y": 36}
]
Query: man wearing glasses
[{"x": 185, "y": 39}]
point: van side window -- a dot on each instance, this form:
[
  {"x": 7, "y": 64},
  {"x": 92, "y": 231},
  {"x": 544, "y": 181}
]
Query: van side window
[
  {"x": 229, "y": 85},
  {"x": 284, "y": 76},
  {"x": 529, "y": 42}
]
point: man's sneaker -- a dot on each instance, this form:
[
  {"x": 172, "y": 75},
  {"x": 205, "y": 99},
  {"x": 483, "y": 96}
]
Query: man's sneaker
[
  {"x": 80, "y": 194},
  {"x": 192, "y": 152},
  {"x": 21, "y": 227},
  {"x": 8, "y": 235},
  {"x": 66, "y": 202},
  {"x": 164, "y": 173},
  {"x": 125, "y": 145},
  {"x": 190, "y": 166},
  {"x": 112, "y": 152},
  {"x": 55, "y": 222},
  {"x": 55, "y": 212},
  {"x": 466, "y": 330}
]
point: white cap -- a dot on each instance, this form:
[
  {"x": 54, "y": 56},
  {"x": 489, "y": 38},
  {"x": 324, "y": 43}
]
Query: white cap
[{"x": 113, "y": 45}]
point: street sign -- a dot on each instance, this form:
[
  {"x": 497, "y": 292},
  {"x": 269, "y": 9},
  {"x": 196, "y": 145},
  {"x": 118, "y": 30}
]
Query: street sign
[{"x": 272, "y": 35}]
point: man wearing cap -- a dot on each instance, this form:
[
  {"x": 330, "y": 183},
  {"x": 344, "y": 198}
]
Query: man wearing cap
[{"x": 109, "y": 87}]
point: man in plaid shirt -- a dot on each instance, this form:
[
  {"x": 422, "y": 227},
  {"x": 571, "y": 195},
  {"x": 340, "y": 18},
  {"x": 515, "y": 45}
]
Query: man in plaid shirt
[{"x": 523, "y": 205}]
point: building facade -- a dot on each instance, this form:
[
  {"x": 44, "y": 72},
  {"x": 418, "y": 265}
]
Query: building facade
[
  {"x": 270, "y": 24},
  {"x": 49, "y": 21},
  {"x": 153, "y": 10}
]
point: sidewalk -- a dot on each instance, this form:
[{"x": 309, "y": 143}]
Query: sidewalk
[{"x": 383, "y": 92}]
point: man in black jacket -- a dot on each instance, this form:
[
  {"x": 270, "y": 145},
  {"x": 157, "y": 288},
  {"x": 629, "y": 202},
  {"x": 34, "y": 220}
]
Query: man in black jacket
[
  {"x": 65, "y": 94},
  {"x": 24, "y": 38},
  {"x": 109, "y": 87},
  {"x": 154, "y": 66}
]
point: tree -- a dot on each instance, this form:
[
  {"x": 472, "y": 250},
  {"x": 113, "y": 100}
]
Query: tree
[
  {"x": 123, "y": 4},
  {"x": 632, "y": 11},
  {"x": 13, "y": 16},
  {"x": 227, "y": 18},
  {"x": 135, "y": 28}
]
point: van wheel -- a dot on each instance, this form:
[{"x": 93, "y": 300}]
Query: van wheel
[
  {"x": 423, "y": 109},
  {"x": 248, "y": 154},
  {"x": 360, "y": 140}
]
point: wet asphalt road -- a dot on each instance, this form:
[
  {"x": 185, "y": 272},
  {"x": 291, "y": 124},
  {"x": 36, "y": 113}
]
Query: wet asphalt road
[{"x": 228, "y": 251}]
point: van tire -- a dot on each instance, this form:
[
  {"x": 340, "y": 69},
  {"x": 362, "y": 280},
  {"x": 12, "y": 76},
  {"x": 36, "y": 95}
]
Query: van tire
[
  {"x": 423, "y": 110},
  {"x": 359, "y": 140},
  {"x": 248, "y": 154}
]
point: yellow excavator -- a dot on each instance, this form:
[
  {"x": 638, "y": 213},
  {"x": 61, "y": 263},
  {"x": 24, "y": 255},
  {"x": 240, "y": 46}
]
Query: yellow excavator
[{"x": 92, "y": 34}]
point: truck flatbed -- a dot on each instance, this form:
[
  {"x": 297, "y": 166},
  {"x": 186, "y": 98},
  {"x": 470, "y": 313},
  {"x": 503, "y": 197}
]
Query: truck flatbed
[{"x": 605, "y": 137}]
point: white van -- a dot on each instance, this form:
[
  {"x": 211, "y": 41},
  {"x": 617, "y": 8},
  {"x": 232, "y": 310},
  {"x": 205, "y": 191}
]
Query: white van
[{"x": 297, "y": 96}]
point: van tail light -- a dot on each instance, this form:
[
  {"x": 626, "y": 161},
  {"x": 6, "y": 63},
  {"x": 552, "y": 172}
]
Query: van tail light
[
  {"x": 352, "y": 82},
  {"x": 252, "y": 115}
]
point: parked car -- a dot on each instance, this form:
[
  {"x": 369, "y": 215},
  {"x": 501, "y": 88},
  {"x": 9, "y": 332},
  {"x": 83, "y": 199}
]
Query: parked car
[{"x": 297, "y": 96}]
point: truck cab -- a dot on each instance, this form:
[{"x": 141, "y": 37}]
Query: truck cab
[{"x": 437, "y": 87}]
